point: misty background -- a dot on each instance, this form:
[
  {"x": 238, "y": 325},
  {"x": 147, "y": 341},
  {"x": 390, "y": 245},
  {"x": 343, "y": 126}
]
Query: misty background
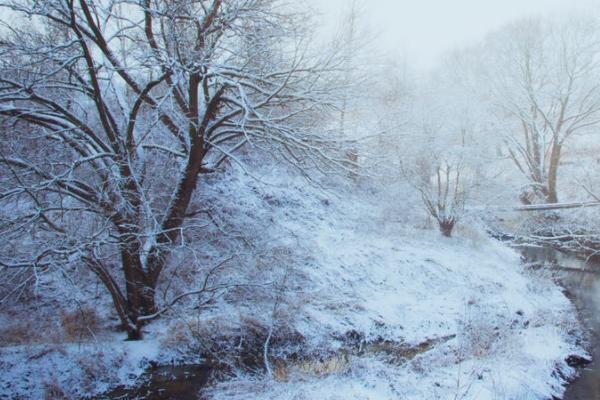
[{"x": 422, "y": 31}]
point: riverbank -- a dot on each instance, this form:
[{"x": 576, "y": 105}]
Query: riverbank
[
  {"x": 580, "y": 277},
  {"x": 572, "y": 231},
  {"x": 501, "y": 323},
  {"x": 345, "y": 298}
]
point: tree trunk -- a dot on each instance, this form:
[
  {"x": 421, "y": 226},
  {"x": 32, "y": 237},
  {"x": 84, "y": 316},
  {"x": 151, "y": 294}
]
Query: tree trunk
[
  {"x": 447, "y": 226},
  {"x": 139, "y": 291},
  {"x": 140, "y": 280},
  {"x": 552, "y": 196}
]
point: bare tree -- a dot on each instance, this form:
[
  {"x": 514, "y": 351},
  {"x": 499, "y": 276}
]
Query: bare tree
[
  {"x": 445, "y": 197},
  {"x": 441, "y": 153},
  {"x": 443, "y": 181},
  {"x": 112, "y": 111},
  {"x": 544, "y": 77}
]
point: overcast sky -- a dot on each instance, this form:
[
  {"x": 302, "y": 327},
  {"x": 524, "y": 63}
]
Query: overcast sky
[{"x": 423, "y": 29}]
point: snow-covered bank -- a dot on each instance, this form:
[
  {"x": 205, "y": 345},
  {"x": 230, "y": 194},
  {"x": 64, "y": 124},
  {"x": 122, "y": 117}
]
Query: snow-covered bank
[
  {"x": 65, "y": 371},
  {"x": 513, "y": 329},
  {"x": 324, "y": 268}
]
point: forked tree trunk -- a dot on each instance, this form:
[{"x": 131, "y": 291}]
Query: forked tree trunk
[
  {"x": 139, "y": 300},
  {"x": 141, "y": 280},
  {"x": 136, "y": 302},
  {"x": 447, "y": 226},
  {"x": 140, "y": 303}
]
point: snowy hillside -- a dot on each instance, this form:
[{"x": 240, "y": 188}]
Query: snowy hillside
[
  {"x": 500, "y": 331},
  {"x": 358, "y": 307}
]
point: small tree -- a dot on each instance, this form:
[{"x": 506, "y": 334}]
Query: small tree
[
  {"x": 442, "y": 149},
  {"x": 444, "y": 195}
]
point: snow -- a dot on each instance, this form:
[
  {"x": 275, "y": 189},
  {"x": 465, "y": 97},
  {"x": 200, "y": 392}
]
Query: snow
[
  {"x": 392, "y": 281},
  {"x": 77, "y": 369},
  {"x": 353, "y": 268}
]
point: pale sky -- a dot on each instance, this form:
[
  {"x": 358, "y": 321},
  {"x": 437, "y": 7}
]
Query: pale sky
[{"x": 422, "y": 30}]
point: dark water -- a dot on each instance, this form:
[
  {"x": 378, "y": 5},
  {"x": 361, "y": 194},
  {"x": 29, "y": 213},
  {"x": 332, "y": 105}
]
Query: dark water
[
  {"x": 581, "y": 279},
  {"x": 182, "y": 382}
]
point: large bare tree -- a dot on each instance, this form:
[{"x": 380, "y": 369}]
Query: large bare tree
[
  {"x": 112, "y": 110},
  {"x": 544, "y": 77}
]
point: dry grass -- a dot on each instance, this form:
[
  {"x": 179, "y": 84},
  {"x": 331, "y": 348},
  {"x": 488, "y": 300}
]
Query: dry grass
[
  {"x": 62, "y": 326},
  {"x": 334, "y": 364},
  {"x": 179, "y": 335},
  {"x": 79, "y": 324},
  {"x": 19, "y": 334},
  {"x": 477, "y": 338},
  {"x": 338, "y": 363},
  {"x": 54, "y": 391}
]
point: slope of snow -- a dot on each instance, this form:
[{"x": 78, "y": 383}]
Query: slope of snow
[
  {"x": 390, "y": 281},
  {"x": 324, "y": 266},
  {"x": 72, "y": 370}
]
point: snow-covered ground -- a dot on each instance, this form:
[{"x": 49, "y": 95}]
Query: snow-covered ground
[
  {"x": 59, "y": 371},
  {"x": 333, "y": 266}
]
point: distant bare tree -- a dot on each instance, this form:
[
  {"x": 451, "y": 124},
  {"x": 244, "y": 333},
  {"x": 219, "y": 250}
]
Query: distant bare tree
[
  {"x": 441, "y": 148},
  {"x": 112, "y": 110},
  {"x": 443, "y": 185},
  {"x": 545, "y": 83},
  {"x": 444, "y": 195}
]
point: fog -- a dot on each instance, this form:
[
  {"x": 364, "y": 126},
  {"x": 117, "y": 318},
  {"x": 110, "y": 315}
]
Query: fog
[{"x": 423, "y": 30}]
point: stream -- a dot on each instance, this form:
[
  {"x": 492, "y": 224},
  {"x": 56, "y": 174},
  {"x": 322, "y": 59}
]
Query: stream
[
  {"x": 182, "y": 382},
  {"x": 581, "y": 281}
]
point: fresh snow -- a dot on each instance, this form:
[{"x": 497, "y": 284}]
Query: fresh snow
[
  {"x": 78, "y": 369},
  {"x": 350, "y": 266}
]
